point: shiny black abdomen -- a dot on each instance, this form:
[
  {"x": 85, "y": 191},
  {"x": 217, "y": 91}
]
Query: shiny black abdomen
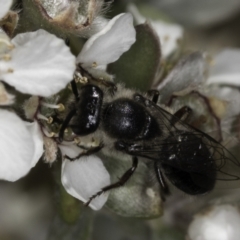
[
  {"x": 188, "y": 164},
  {"x": 88, "y": 110}
]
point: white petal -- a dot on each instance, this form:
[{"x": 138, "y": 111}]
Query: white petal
[
  {"x": 5, "y": 97},
  {"x": 41, "y": 64},
  {"x": 5, "y": 6},
  {"x": 109, "y": 44},
  {"x": 198, "y": 14},
  {"x": 169, "y": 35},
  {"x": 225, "y": 69},
  {"x": 186, "y": 76},
  {"x": 139, "y": 19},
  {"x": 17, "y": 147},
  {"x": 5, "y": 43},
  {"x": 31, "y": 106},
  {"x": 218, "y": 223},
  {"x": 84, "y": 177},
  {"x": 37, "y": 137}
]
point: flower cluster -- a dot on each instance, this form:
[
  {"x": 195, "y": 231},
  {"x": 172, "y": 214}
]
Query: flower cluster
[{"x": 38, "y": 66}]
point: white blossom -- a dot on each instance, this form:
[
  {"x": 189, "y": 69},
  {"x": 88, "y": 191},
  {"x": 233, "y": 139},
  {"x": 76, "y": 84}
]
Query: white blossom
[
  {"x": 21, "y": 146},
  {"x": 84, "y": 177},
  {"x": 225, "y": 68},
  {"x": 168, "y": 33},
  {"x": 202, "y": 13},
  {"x": 5, "y": 97},
  {"x": 35, "y": 63},
  {"x": 222, "y": 83},
  {"x": 81, "y": 18},
  {"x": 38, "y": 63},
  {"x": 109, "y": 44},
  {"x": 5, "y": 7},
  {"x": 221, "y": 80},
  {"x": 217, "y": 223}
]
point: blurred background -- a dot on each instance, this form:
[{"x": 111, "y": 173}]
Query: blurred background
[{"x": 30, "y": 208}]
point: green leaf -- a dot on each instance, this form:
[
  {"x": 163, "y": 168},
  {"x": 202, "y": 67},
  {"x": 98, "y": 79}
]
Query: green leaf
[
  {"x": 70, "y": 207},
  {"x": 139, "y": 197},
  {"x": 80, "y": 230},
  {"x": 138, "y": 66}
]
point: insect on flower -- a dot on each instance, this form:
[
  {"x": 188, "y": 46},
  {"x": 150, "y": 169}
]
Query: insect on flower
[{"x": 128, "y": 122}]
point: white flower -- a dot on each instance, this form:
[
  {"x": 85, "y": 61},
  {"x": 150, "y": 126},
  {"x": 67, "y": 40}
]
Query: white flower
[
  {"x": 84, "y": 177},
  {"x": 5, "y": 7},
  {"x": 37, "y": 63},
  {"x": 223, "y": 82},
  {"x": 5, "y": 97},
  {"x": 186, "y": 76},
  {"x": 20, "y": 144},
  {"x": 109, "y": 44},
  {"x": 218, "y": 223},
  {"x": 169, "y": 34},
  {"x": 81, "y": 18},
  {"x": 198, "y": 14},
  {"x": 213, "y": 96},
  {"x": 225, "y": 68},
  {"x": 44, "y": 75}
]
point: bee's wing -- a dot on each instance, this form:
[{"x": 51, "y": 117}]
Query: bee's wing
[{"x": 225, "y": 163}]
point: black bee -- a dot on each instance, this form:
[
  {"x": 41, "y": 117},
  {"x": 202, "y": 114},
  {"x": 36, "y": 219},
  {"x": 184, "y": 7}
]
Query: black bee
[{"x": 130, "y": 123}]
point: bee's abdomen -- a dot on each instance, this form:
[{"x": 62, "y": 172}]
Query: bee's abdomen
[{"x": 189, "y": 164}]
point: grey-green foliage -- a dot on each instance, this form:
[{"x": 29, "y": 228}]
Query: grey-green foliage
[
  {"x": 138, "y": 66},
  {"x": 140, "y": 196}
]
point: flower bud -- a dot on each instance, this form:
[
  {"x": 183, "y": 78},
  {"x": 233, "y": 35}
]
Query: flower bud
[
  {"x": 69, "y": 16},
  {"x": 9, "y": 23}
]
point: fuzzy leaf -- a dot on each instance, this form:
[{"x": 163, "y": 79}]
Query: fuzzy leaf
[
  {"x": 139, "y": 197},
  {"x": 137, "y": 67}
]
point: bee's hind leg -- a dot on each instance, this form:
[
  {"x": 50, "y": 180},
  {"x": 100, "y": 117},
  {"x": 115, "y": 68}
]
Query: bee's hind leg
[
  {"x": 164, "y": 187},
  {"x": 75, "y": 89},
  {"x": 125, "y": 177}
]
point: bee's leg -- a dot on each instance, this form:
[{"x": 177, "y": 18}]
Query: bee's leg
[
  {"x": 75, "y": 89},
  {"x": 65, "y": 124},
  {"x": 154, "y": 94},
  {"x": 182, "y": 114},
  {"x": 125, "y": 177},
  {"x": 87, "y": 152},
  {"x": 164, "y": 187}
]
